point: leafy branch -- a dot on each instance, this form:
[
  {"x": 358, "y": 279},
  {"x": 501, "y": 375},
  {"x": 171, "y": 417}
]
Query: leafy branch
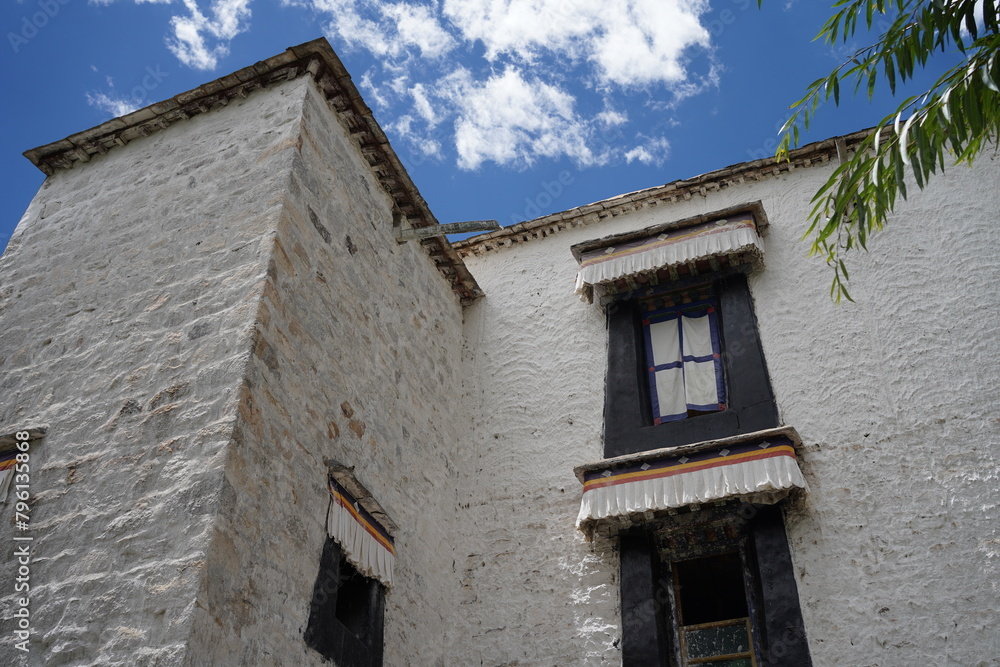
[{"x": 949, "y": 123}]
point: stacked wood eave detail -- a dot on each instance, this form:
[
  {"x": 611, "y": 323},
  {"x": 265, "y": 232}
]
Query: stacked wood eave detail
[{"x": 318, "y": 60}]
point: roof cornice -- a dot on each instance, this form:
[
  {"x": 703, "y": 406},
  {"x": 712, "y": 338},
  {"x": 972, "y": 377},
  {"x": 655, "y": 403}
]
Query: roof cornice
[
  {"x": 818, "y": 153},
  {"x": 315, "y": 58}
]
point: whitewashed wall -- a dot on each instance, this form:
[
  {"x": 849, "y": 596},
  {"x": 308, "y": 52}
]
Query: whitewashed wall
[
  {"x": 357, "y": 358},
  {"x": 897, "y": 545},
  {"x": 197, "y": 346},
  {"x": 127, "y": 297}
]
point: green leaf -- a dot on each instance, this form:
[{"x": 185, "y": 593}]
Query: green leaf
[
  {"x": 903, "y": 146},
  {"x": 987, "y": 80},
  {"x": 890, "y": 74},
  {"x": 970, "y": 24}
]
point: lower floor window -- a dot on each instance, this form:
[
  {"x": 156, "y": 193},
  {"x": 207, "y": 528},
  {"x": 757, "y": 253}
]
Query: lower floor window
[
  {"x": 346, "y": 612},
  {"x": 713, "y": 588},
  {"x": 712, "y": 614}
]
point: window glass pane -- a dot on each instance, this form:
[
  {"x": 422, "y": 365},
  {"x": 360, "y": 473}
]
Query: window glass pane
[
  {"x": 738, "y": 662},
  {"x": 724, "y": 640}
]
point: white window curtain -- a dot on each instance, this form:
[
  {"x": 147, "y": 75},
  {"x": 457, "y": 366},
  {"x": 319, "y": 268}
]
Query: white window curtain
[{"x": 684, "y": 362}]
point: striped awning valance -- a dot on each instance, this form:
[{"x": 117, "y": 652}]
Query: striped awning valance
[
  {"x": 761, "y": 470},
  {"x": 734, "y": 235},
  {"x": 364, "y": 541}
]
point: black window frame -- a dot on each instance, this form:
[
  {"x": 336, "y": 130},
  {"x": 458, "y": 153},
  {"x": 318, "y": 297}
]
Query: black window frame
[
  {"x": 750, "y": 405},
  {"x": 361, "y": 644},
  {"x": 649, "y": 631}
]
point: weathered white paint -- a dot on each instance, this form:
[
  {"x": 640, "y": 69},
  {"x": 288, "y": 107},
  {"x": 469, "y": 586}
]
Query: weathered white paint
[
  {"x": 896, "y": 545},
  {"x": 128, "y": 294},
  {"x": 197, "y": 347}
]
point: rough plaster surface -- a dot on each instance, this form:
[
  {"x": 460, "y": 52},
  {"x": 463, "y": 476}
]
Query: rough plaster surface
[
  {"x": 127, "y": 296},
  {"x": 228, "y": 334},
  {"x": 895, "y": 546},
  {"x": 357, "y": 357}
]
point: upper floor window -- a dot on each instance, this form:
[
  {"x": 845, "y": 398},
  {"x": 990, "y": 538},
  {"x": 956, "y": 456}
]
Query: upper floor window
[
  {"x": 685, "y": 362},
  {"x": 698, "y": 396},
  {"x": 683, "y": 354}
]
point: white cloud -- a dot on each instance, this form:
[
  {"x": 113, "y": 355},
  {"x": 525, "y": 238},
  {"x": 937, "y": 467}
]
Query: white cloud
[
  {"x": 189, "y": 43},
  {"x": 415, "y": 26},
  {"x": 372, "y": 91},
  {"x": 511, "y": 120},
  {"x": 422, "y": 145},
  {"x": 503, "y": 81},
  {"x": 646, "y": 44},
  {"x": 695, "y": 86},
  {"x": 635, "y": 42},
  {"x": 385, "y": 29},
  {"x": 611, "y": 118},
  {"x": 423, "y": 105},
  {"x": 652, "y": 151},
  {"x": 111, "y": 104},
  {"x": 524, "y": 28}
]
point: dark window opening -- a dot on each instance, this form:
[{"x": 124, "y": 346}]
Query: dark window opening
[
  {"x": 352, "y": 599},
  {"x": 712, "y": 616},
  {"x": 710, "y": 589},
  {"x": 346, "y": 612}
]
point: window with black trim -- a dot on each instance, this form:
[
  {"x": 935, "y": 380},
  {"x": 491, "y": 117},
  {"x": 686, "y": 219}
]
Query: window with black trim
[
  {"x": 346, "y": 614},
  {"x": 712, "y": 615},
  {"x": 682, "y": 353},
  {"x": 712, "y": 588},
  {"x": 685, "y": 365}
]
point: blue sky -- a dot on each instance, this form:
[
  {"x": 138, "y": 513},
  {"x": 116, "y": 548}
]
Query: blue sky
[{"x": 502, "y": 109}]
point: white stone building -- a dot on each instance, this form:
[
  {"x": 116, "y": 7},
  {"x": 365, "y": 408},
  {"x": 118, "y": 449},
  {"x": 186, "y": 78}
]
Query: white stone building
[{"x": 207, "y": 317}]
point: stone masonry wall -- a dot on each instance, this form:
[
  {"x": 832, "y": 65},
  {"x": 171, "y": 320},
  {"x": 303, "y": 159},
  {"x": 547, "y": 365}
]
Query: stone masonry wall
[
  {"x": 127, "y": 300},
  {"x": 896, "y": 544},
  {"x": 357, "y": 357}
]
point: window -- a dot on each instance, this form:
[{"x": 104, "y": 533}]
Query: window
[
  {"x": 346, "y": 612},
  {"x": 685, "y": 365},
  {"x": 683, "y": 354},
  {"x": 712, "y": 616},
  {"x": 713, "y": 588}
]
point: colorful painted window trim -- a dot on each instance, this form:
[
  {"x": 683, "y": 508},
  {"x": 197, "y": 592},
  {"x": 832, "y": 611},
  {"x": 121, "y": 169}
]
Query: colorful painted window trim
[{"x": 683, "y": 356}]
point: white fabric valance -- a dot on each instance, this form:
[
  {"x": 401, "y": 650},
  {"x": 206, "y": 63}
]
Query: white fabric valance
[
  {"x": 731, "y": 236},
  {"x": 758, "y": 471},
  {"x": 363, "y": 540}
]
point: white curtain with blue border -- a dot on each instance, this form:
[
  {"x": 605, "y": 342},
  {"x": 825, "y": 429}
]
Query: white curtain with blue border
[{"x": 684, "y": 361}]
